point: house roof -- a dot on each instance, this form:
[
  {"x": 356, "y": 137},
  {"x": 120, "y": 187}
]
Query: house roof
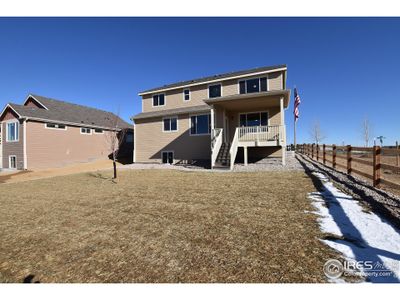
[
  {"x": 170, "y": 112},
  {"x": 212, "y": 78},
  {"x": 69, "y": 113}
]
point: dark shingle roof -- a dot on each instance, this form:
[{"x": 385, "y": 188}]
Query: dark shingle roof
[
  {"x": 214, "y": 77},
  {"x": 61, "y": 111},
  {"x": 170, "y": 112}
]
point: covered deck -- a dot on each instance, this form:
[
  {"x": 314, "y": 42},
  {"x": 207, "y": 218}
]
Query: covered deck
[{"x": 247, "y": 120}]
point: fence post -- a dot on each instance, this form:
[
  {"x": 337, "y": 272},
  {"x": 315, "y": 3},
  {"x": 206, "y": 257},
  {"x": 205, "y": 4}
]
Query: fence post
[
  {"x": 334, "y": 156},
  {"x": 377, "y": 166},
  {"x": 323, "y": 154},
  {"x": 317, "y": 152},
  {"x": 312, "y": 150},
  {"x": 349, "y": 159}
]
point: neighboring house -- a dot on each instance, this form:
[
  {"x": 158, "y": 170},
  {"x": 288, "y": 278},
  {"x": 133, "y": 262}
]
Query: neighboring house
[
  {"x": 236, "y": 116},
  {"x": 44, "y": 133}
]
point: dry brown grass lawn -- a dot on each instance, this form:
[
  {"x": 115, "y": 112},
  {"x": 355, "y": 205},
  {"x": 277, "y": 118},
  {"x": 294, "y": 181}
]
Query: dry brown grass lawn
[{"x": 161, "y": 226}]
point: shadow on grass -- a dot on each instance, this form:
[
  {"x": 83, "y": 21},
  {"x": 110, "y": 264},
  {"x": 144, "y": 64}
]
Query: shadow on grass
[
  {"x": 102, "y": 177},
  {"x": 29, "y": 279}
]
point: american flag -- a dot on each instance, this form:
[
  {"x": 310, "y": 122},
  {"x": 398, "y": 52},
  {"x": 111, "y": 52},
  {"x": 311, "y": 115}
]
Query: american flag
[{"x": 296, "y": 105}]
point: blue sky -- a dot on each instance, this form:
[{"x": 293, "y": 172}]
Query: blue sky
[{"x": 344, "y": 68}]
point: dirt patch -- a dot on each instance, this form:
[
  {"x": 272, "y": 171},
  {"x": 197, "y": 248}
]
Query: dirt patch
[
  {"x": 46, "y": 173},
  {"x": 161, "y": 226}
]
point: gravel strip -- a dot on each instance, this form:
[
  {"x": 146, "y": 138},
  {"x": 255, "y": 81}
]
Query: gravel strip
[
  {"x": 382, "y": 202},
  {"x": 271, "y": 164},
  {"x": 267, "y": 164}
]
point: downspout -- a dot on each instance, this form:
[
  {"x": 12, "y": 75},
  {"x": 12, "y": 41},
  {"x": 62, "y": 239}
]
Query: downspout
[{"x": 24, "y": 146}]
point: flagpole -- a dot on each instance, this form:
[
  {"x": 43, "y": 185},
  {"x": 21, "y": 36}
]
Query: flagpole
[
  {"x": 294, "y": 138},
  {"x": 294, "y": 126}
]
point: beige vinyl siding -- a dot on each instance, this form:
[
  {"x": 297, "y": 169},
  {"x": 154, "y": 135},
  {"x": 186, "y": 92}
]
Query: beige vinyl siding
[
  {"x": 151, "y": 141},
  {"x": 230, "y": 87},
  {"x": 47, "y": 148},
  {"x": 174, "y": 98},
  {"x": 12, "y": 148},
  {"x": 275, "y": 81}
]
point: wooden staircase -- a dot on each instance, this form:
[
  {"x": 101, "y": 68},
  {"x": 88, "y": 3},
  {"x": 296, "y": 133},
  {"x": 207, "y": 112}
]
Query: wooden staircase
[{"x": 223, "y": 157}]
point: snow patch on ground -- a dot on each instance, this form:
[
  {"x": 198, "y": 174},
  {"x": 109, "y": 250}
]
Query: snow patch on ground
[{"x": 362, "y": 236}]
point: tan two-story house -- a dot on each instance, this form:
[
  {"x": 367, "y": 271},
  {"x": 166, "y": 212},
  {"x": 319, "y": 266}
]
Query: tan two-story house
[
  {"x": 46, "y": 133},
  {"x": 221, "y": 119}
]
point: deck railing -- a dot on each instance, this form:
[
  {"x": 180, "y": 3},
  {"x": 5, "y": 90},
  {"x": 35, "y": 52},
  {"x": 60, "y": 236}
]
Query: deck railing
[
  {"x": 216, "y": 142},
  {"x": 259, "y": 133},
  {"x": 234, "y": 148}
]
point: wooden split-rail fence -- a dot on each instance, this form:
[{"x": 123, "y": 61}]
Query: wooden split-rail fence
[{"x": 329, "y": 154}]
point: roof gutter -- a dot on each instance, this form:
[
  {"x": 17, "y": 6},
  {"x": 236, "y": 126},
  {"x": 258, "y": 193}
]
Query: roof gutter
[
  {"x": 211, "y": 81},
  {"x": 70, "y": 123}
]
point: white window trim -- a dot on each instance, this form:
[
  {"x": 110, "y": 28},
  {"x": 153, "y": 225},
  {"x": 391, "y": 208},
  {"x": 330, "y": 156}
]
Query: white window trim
[
  {"x": 170, "y": 117},
  {"x": 254, "y": 112},
  {"x": 8, "y": 122},
  {"x": 190, "y": 124},
  {"x": 45, "y": 126},
  {"x": 190, "y": 95},
  {"x": 167, "y": 151},
  {"x": 249, "y": 78},
  {"x": 9, "y": 162},
  {"x": 152, "y": 100},
  {"x": 212, "y": 84},
  {"x": 94, "y": 131},
  {"x": 84, "y": 133}
]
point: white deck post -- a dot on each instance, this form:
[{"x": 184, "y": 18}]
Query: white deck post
[
  {"x": 212, "y": 118},
  {"x": 282, "y": 132},
  {"x": 245, "y": 155}
]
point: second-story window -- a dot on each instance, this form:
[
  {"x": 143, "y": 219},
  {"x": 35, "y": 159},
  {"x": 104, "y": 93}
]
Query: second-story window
[
  {"x": 159, "y": 100},
  {"x": 186, "y": 94},
  {"x": 55, "y": 126},
  {"x": 253, "y": 85},
  {"x": 86, "y": 130},
  {"x": 12, "y": 132},
  {"x": 214, "y": 91}
]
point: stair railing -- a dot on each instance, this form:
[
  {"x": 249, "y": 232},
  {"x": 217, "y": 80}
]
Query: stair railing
[
  {"x": 234, "y": 148},
  {"x": 216, "y": 142}
]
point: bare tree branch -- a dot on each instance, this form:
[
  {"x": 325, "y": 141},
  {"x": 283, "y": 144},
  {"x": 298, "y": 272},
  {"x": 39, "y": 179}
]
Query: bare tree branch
[
  {"x": 366, "y": 131},
  {"x": 114, "y": 138},
  {"x": 316, "y": 133}
]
